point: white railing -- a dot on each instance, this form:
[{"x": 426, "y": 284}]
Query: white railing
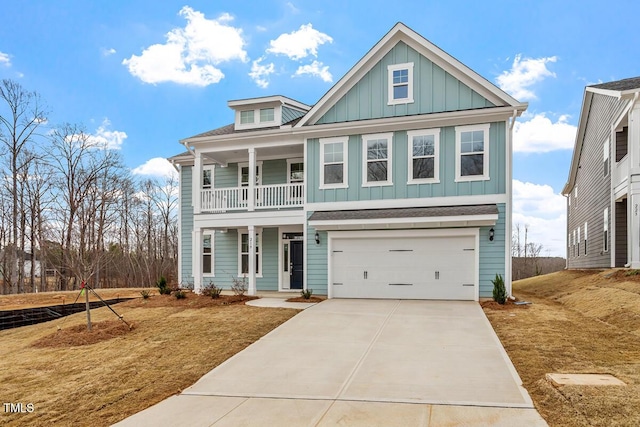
[
  {"x": 621, "y": 171},
  {"x": 266, "y": 197}
]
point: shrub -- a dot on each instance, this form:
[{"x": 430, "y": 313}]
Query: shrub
[
  {"x": 306, "y": 293},
  {"x": 163, "y": 287},
  {"x": 145, "y": 294},
  {"x": 212, "y": 291},
  {"x": 239, "y": 287},
  {"x": 180, "y": 294},
  {"x": 499, "y": 290}
]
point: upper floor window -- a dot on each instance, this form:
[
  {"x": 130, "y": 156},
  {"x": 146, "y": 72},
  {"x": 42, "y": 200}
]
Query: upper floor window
[
  {"x": 472, "y": 152},
  {"x": 424, "y": 147},
  {"x": 333, "y": 162},
  {"x": 207, "y": 177},
  {"x": 296, "y": 170},
  {"x": 267, "y": 115},
  {"x": 247, "y": 116},
  {"x": 377, "y": 159},
  {"x": 400, "y": 83},
  {"x": 606, "y": 157}
]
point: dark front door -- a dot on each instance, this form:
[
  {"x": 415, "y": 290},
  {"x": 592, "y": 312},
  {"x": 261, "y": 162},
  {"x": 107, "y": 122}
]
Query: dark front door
[{"x": 296, "y": 267}]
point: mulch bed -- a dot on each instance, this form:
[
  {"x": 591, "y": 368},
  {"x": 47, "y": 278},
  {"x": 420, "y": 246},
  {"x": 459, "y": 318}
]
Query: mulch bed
[
  {"x": 79, "y": 335},
  {"x": 191, "y": 300},
  {"x": 508, "y": 305},
  {"x": 301, "y": 299}
]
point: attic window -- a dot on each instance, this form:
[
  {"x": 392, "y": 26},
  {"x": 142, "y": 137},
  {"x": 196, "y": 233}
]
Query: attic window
[
  {"x": 400, "y": 82},
  {"x": 247, "y": 117},
  {"x": 267, "y": 115}
]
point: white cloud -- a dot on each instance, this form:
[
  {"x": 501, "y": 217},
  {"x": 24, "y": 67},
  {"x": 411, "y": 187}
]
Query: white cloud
[
  {"x": 523, "y": 74},
  {"x": 259, "y": 73},
  {"x": 539, "y": 134},
  {"x": 108, "y": 52},
  {"x": 4, "y": 59},
  {"x": 158, "y": 167},
  {"x": 104, "y": 137},
  {"x": 544, "y": 212},
  {"x": 292, "y": 8},
  {"x": 315, "y": 69},
  {"x": 190, "y": 54},
  {"x": 299, "y": 44}
]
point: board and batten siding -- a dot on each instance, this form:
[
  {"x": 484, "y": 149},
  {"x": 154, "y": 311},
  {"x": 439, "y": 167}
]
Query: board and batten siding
[
  {"x": 496, "y": 184},
  {"x": 434, "y": 90},
  {"x": 186, "y": 226},
  {"x": 594, "y": 189}
]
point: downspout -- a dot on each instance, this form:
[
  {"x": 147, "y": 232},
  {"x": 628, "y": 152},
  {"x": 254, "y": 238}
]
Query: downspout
[
  {"x": 189, "y": 149},
  {"x": 508, "y": 219}
]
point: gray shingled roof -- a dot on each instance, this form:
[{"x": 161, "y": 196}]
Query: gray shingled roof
[
  {"x": 433, "y": 211},
  {"x": 230, "y": 129},
  {"x": 624, "y": 84}
]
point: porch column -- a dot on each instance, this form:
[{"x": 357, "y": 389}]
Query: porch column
[
  {"x": 197, "y": 183},
  {"x": 634, "y": 187},
  {"x": 252, "y": 258},
  {"x": 196, "y": 261},
  {"x": 251, "y": 202}
]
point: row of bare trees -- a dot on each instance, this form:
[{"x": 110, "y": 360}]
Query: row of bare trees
[{"x": 71, "y": 211}]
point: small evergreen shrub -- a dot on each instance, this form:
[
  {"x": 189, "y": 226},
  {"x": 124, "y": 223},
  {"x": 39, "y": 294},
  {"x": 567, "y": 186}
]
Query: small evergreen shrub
[
  {"x": 239, "y": 287},
  {"x": 306, "y": 293},
  {"x": 180, "y": 294},
  {"x": 145, "y": 294},
  {"x": 499, "y": 290},
  {"x": 163, "y": 287}
]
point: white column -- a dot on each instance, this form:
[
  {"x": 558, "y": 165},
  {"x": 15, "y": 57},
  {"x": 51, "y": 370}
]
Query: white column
[
  {"x": 252, "y": 259},
  {"x": 196, "y": 261},
  {"x": 634, "y": 187},
  {"x": 197, "y": 183},
  {"x": 251, "y": 203}
]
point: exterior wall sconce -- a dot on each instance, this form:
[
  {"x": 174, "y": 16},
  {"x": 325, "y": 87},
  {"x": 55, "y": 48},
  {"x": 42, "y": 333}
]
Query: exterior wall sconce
[
  {"x": 491, "y": 234},
  {"x": 317, "y": 236}
]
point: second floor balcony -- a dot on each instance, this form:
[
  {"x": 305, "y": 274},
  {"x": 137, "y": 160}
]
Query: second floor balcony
[{"x": 275, "y": 196}]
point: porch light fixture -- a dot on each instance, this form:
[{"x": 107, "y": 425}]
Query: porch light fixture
[
  {"x": 491, "y": 234},
  {"x": 317, "y": 236}
]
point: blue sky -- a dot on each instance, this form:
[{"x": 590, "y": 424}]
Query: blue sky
[{"x": 144, "y": 74}]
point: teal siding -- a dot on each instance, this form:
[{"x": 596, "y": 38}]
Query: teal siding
[
  {"x": 400, "y": 171},
  {"x": 289, "y": 114},
  {"x": 273, "y": 172},
  {"x": 434, "y": 91},
  {"x": 226, "y": 177},
  {"x": 186, "y": 226},
  {"x": 269, "y": 279},
  {"x": 316, "y": 265},
  {"x": 492, "y": 254}
]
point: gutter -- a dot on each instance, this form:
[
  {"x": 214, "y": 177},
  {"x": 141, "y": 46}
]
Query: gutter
[{"x": 189, "y": 149}]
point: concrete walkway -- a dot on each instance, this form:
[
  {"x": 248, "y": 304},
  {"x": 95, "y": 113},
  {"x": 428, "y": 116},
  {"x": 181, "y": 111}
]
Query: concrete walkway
[{"x": 361, "y": 362}]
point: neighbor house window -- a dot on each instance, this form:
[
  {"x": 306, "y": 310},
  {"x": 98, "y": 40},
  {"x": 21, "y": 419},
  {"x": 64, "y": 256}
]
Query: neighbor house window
[
  {"x": 244, "y": 254},
  {"x": 400, "y": 83},
  {"x": 472, "y": 152},
  {"x": 333, "y": 162},
  {"x": 376, "y": 169},
  {"x": 267, "y": 114},
  {"x": 605, "y": 234},
  {"x": 585, "y": 238},
  {"x": 247, "y": 117},
  {"x": 606, "y": 157},
  {"x": 578, "y": 243},
  {"x": 424, "y": 148},
  {"x": 207, "y": 253}
]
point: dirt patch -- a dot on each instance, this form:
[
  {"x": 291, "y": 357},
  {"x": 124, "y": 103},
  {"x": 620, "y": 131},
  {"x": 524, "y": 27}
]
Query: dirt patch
[
  {"x": 190, "y": 300},
  {"x": 79, "y": 335},
  {"x": 302, "y": 299}
]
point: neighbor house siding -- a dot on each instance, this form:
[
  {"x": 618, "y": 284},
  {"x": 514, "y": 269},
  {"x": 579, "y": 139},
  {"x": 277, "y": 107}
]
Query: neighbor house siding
[
  {"x": 434, "y": 90},
  {"x": 186, "y": 226},
  {"x": 496, "y": 184},
  {"x": 594, "y": 189},
  {"x": 492, "y": 253}
]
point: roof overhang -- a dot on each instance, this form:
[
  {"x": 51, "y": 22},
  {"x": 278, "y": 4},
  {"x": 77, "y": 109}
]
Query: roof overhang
[{"x": 276, "y": 99}]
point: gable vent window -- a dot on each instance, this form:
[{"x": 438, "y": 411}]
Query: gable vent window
[{"x": 400, "y": 83}]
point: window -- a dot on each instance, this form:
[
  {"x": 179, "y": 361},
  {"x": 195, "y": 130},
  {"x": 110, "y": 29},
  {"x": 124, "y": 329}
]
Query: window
[
  {"x": 578, "y": 243},
  {"x": 585, "y": 238},
  {"x": 424, "y": 148},
  {"x": 247, "y": 117},
  {"x": 333, "y": 158},
  {"x": 296, "y": 171},
  {"x": 400, "y": 82},
  {"x": 574, "y": 243},
  {"x": 243, "y": 178},
  {"x": 207, "y": 254},
  {"x": 606, "y": 157},
  {"x": 207, "y": 177},
  {"x": 267, "y": 115},
  {"x": 575, "y": 196},
  {"x": 377, "y": 159},
  {"x": 244, "y": 254},
  {"x": 605, "y": 234},
  {"x": 472, "y": 153}
]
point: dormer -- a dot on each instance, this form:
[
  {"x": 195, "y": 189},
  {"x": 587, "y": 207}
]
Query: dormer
[{"x": 266, "y": 112}]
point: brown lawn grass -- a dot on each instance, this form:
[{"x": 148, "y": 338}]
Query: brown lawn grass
[
  {"x": 172, "y": 344},
  {"x": 17, "y": 301},
  {"x": 579, "y": 322}
]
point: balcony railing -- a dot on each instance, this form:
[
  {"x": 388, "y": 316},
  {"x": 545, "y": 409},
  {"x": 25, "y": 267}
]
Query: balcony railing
[{"x": 266, "y": 197}]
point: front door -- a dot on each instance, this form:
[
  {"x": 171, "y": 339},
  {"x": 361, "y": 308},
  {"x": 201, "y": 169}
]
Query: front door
[{"x": 296, "y": 267}]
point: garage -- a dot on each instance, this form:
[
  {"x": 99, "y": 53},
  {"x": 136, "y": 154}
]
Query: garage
[{"x": 387, "y": 265}]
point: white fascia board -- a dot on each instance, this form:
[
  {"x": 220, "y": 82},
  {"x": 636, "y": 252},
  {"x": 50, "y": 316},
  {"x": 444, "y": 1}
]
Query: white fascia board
[
  {"x": 577, "y": 149},
  {"x": 277, "y": 99},
  {"x": 241, "y": 219},
  {"x": 413, "y": 222},
  {"x": 487, "y": 199}
]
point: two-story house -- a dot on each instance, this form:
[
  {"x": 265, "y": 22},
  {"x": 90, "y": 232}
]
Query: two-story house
[
  {"x": 603, "y": 189},
  {"x": 395, "y": 184}
]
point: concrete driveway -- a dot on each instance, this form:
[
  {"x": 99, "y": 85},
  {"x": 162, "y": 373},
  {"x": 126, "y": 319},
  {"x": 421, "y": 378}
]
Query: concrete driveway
[{"x": 361, "y": 362}]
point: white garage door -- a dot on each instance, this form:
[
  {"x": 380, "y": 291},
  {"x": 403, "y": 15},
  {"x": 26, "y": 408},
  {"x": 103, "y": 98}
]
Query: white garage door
[{"x": 404, "y": 267}]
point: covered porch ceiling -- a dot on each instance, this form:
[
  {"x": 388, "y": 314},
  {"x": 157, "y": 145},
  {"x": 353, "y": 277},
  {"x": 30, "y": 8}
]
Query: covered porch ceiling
[{"x": 240, "y": 155}]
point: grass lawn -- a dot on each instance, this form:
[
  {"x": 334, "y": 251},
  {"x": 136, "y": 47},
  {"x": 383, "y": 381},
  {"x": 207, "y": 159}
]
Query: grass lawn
[
  {"x": 172, "y": 344},
  {"x": 579, "y": 322}
]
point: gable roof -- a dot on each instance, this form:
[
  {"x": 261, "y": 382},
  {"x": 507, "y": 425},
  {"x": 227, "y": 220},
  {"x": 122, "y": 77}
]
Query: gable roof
[
  {"x": 401, "y": 32},
  {"x": 617, "y": 88}
]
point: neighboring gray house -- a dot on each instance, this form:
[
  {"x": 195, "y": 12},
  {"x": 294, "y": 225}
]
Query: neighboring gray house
[
  {"x": 395, "y": 184},
  {"x": 603, "y": 189}
]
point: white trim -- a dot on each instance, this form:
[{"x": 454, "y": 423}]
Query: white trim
[
  {"x": 365, "y": 140},
  {"x": 259, "y": 249},
  {"x": 485, "y": 153},
  {"x": 345, "y": 162},
  {"x": 407, "y": 222},
  {"x": 391, "y": 85},
  {"x": 261, "y": 218},
  {"x": 436, "y": 155},
  {"x": 292, "y": 161},
  {"x": 264, "y": 100},
  {"x": 474, "y": 232},
  {"x": 180, "y": 256},
  {"x": 409, "y": 203},
  {"x": 288, "y": 229},
  {"x": 256, "y": 124},
  {"x": 246, "y": 165}
]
